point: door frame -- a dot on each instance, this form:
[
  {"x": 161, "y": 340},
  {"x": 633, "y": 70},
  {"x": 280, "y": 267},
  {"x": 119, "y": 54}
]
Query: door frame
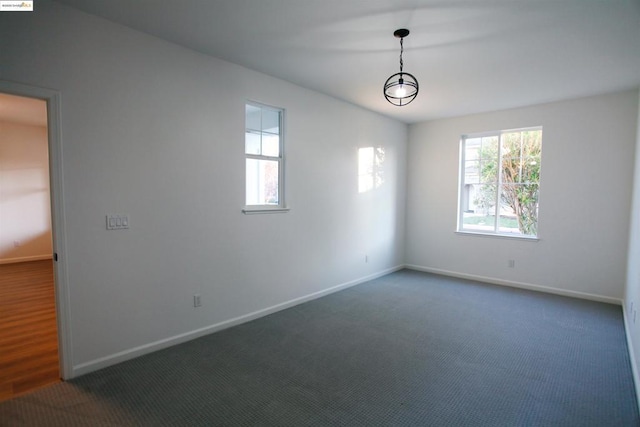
[{"x": 52, "y": 98}]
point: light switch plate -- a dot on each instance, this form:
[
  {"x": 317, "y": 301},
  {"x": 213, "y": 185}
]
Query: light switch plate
[{"x": 117, "y": 222}]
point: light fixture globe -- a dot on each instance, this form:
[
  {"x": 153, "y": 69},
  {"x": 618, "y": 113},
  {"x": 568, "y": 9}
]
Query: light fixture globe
[{"x": 401, "y": 88}]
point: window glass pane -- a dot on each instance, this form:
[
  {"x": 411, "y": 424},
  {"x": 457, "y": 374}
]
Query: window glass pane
[
  {"x": 511, "y": 169},
  {"x": 472, "y": 172},
  {"x": 252, "y": 143},
  {"x": 508, "y": 220},
  {"x": 262, "y": 182},
  {"x": 489, "y": 170},
  {"x": 252, "y": 117},
  {"x": 484, "y": 199},
  {"x": 472, "y": 148},
  {"x": 476, "y": 222},
  {"x": 488, "y": 153},
  {"x": 519, "y": 209},
  {"x": 270, "y": 145},
  {"x": 489, "y": 149},
  {"x": 511, "y": 144},
  {"x": 270, "y": 121},
  {"x": 530, "y": 170},
  {"x": 531, "y": 154},
  {"x": 531, "y": 143},
  {"x": 508, "y": 224},
  {"x": 478, "y": 205}
]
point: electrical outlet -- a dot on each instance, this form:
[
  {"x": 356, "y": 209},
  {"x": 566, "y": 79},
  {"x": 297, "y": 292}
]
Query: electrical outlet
[
  {"x": 512, "y": 263},
  {"x": 197, "y": 302}
]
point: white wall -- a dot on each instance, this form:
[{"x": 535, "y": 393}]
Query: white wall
[
  {"x": 25, "y": 214},
  {"x": 585, "y": 189},
  {"x": 156, "y": 131},
  {"x": 632, "y": 292}
]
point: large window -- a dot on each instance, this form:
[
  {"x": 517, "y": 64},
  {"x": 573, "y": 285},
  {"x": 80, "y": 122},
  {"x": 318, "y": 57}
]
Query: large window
[
  {"x": 500, "y": 182},
  {"x": 263, "y": 157}
]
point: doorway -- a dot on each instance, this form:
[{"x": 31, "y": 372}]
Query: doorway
[{"x": 32, "y": 285}]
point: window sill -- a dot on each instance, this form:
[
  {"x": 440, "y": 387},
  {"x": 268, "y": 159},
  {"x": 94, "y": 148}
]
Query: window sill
[
  {"x": 264, "y": 210},
  {"x": 499, "y": 236}
]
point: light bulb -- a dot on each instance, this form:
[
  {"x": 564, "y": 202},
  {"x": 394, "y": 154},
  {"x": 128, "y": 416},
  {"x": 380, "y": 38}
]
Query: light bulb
[{"x": 401, "y": 91}]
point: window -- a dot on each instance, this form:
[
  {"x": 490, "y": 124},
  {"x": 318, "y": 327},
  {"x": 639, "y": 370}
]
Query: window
[
  {"x": 499, "y": 182},
  {"x": 264, "y": 172}
]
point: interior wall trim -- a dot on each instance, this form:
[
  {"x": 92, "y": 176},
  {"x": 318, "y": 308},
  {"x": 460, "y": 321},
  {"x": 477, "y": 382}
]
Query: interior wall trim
[
  {"x": 521, "y": 285},
  {"x": 25, "y": 259},
  {"x": 58, "y": 233},
  {"x": 632, "y": 358}
]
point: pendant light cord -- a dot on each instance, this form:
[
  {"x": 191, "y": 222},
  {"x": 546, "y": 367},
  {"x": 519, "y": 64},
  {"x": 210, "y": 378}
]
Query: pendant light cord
[{"x": 401, "y": 49}]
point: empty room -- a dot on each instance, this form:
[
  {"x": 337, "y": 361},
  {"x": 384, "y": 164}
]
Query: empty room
[{"x": 358, "y": 213}]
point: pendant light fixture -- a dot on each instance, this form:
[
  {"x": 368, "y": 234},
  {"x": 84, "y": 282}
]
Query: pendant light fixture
[{"x": 401, "y": 88}]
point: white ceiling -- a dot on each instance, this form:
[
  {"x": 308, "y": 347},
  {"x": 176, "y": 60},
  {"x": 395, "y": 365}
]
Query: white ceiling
[{"x": 468, "y": 55}]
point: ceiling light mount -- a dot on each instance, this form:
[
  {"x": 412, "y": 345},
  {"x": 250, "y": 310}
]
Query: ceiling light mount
[
  {"x": 401, "y": 88},
  {"x": 401, "y": 33}
]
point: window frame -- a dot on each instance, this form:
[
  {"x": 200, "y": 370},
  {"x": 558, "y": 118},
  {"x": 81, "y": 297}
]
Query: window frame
[
  {"x": 499, "y": 182},
  {"x": 280, "y": 159}
]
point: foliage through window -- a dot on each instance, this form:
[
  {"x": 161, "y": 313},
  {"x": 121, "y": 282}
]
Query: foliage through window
[
  {"x": 263, "y": 156},
  {"x": 500, "y": 182}
]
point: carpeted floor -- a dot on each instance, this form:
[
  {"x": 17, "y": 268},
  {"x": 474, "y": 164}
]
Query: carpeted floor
[{"x": 407, "y": 349}]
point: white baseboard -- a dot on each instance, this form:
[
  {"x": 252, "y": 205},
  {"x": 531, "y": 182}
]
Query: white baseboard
[
  {"x": 103, "y": 362},
  {"x": 632, "y": 358},
  {"x": 25, "y": 259},
  {"x": 529, "y": 286}
]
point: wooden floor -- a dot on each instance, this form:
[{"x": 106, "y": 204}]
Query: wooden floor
[{"x": 28, "y": 331}]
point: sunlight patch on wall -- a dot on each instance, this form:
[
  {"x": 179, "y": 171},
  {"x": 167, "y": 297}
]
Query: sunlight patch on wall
[{"x": 370, "y": 170}]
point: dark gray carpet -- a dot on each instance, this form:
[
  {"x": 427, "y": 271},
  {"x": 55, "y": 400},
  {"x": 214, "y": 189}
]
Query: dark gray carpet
[{"x": 409, "y": 348}]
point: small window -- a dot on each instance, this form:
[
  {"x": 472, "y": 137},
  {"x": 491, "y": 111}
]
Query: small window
[
  {"x": 264, "y": 157},
  {"x": 500, "y": 182}
]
